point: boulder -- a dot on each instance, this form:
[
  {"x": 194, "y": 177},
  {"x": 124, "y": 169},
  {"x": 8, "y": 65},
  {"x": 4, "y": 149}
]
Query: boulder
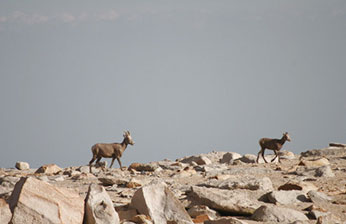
[
  {"x": 49, "y": 169},
  {"x": 284, "y": 154},
  {"x": 334, "y": 144},
  {"x": 22, "y": 165},
  {"x": 229, "y": 157},
  {"x": 198, "y": 210},
  {"x": 241, "y": 182},
  {"x": 225, "y": 220},
  {"x": 200, "y": 160},
  {"x": 318, "y": 197},
  {"x": 35, "y": 201},
  {"x": 5, "y": 212},
  {"x": 329, "y": 151},
  {"x": 300, "y": 186},
  {"x": 110, "y": 180},
  {"x": 315, "y": 162},
  {"x": 127, "y": 214},
  {"x": 287, "y": 197},
  {"x": 99, "y": 207},
  {"x": 143, "y": 167},
  {"x": 278, "y": 214},
  {"x": 238, "y": 202},
  {"x": 158, "y": 202},
  {"x": 324, "y": 171},
  {"x": 248, "y": 158}
]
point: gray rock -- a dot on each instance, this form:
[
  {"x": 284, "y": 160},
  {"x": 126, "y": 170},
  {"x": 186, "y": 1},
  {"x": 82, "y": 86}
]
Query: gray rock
[
  {"x": 158, "y": 202},
  {"x": 225, "y": 220},
  {"x": 35, "y": 201},
  {"x": 49, "y": 169},
  {"x": 240, "y": 202},
  {"x": 316, "y": 214},
  {"x": 200, "y": 160},
  {"x": 22, "y": 165},
  {"x": 287, "y": 197},
  {"x": 5, "y": 212},
  {"x": 99, "y": 207},
  {"x": 241, "y": 182},
  {"x": 318, "y": 197},
  {"x": 229, "y": 157},
  {"x": 202, "y": 210},
  {"x": 277, "y": 214},
  {"x": 83, "y": 169},
  {"x": 324, "y": 171},
  {"x": 329, "y": 151},
  {"x": 248, "y": 158}
]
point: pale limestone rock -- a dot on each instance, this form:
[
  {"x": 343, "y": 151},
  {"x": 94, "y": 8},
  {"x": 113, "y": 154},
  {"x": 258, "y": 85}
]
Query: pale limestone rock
[
  {"x": 99, "y": 207},
  {"x": 35, "y": 201},
  {"x": 287, "y": 197},
  {"x": 278, "y": 214},
  {"x": 315, "y": 163},
  {"x": 158, "y": 202},
  {"x": 5, "y": 212},
  {"x": 230, "y": 157},
  {"x": 22, "y": 165},
  {"x": 225, "y": 220},
  {"x": 300, "y": 186},
  {"x": 49, "y": 169},
  {"x": 202, "y": 210}
]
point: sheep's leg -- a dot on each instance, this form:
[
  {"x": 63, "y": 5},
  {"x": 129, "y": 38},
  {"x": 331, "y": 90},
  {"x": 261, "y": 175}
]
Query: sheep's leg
[
  {"x": 98, "y": 160},
  {"x": 264, "y": 158},
  {"x": 258, "y": 155},
  {"x": 119, "y": 163},
  {"x": 112, "y": 162},
  {"x": 276, "y": 155},
  {"x": 91, "y": 161}
]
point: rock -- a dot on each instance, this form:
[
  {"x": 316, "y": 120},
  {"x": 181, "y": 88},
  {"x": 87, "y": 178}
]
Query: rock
[
  {"x": 158, "y": 202},
  {"x": 127, "y": 214},
  {"x": 324, "y": 171},
  {"x": 316, "y": 213},
  {"x": 102, "y": 164},
  {"x": 333, "y": 144},
  {"x": 239, "y": 202},
  {"x": 277, "y": 214},
  {"x": 318, "y": 197},
  {"x": 110, "y": 180},
  {"x": 143, "y": 167},
  {"x": 314, "y": 163},
  {"x": 248, "y": 158},
  {"x": 5, "y": 212},
  {"x": 83, "y": 169},
  {"x": 225, "y": 220},
  {"x": 143, "y": 219},
  {"x": 241, "y": 182},
  {"x": 201, "y": 218},
  {"x": 198, "y": 210},
  {"x": 22, "y": 165},
  {"x": 84, "y": 176},
  {"x": 200, "y": 160},
  {"x": 35, "y": 201},
  {"x": 286, "y": 155},
  {"x": 229, "y": 157},
  {"x": 49, "y": 169},
  {"x": 300, "y": 186},
  {"x": 287, "y": 197},
  {"x": 329, "y": 219},
  {"x": 99, "y": 207},
  {"x": 329, "y": 151}
]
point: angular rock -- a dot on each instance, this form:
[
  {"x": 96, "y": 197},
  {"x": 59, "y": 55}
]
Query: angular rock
[
  {"x": 127, "y": 214},
  {"x": 329, "y": 151},
  {"x": 225, "y": 220},
  {"x": 49, "y": 169},
  {"x": 278, "y": 214},
  {"x": 230, "y": 157},
  {"x": 22, "y": 165},
  {"x": 241, "y": 182},
  {"x": 318, "y": 197},
  {"x": 198, "y": 210},
  {"x": 201, "y": 218},
  {"x": 5, "y": 212},
  {"x": 99, "y": 207},
  {"x": 158, "y": 202},
  {"x": 324, "y": 171},
  {"x": 239, "y": 202},
  {"x": 35, "y": 201},
  {"x": 287, "y": 197},
  {"x": 110, "y": 180},
  {"x": 315, "y": 162},
  {"x": 143, "y": 219},
  {"x": 286, "y": 155},
  {"x": 248, "y": 158},
  {"x": 300, "y": 186},
  {"x": 143, "y": 167},
  {"x": 200, "y": 160}
]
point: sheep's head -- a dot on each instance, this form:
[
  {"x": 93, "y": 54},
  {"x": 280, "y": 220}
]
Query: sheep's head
[
  {"x": 128, "y": 138},
  {"x": 287, "y": 137}
]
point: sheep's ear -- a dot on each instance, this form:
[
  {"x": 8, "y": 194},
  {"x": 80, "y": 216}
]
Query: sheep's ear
[{"x": 128, "y": 133}]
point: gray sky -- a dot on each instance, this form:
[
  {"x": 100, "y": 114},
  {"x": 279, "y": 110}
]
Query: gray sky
[{"x": 185, "y": 77}]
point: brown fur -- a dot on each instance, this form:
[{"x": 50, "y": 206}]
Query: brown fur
[
  {"x": 110, "y": 150},
  {"x": 272, "y": 144}
]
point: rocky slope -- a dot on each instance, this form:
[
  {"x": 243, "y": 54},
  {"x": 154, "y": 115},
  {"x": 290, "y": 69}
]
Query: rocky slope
[{"x": 218, "y": 188}]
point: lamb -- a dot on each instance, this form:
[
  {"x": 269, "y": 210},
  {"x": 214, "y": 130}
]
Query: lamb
[
  {"x": 272, "y": 144},
  {"x": 110, "y": 150}
]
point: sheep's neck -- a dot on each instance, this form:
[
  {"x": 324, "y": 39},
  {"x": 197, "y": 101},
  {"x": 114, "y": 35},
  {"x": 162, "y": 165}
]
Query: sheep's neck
[
  {"x": 282, "y": 140},
  {"x": 123, "y": 146}
]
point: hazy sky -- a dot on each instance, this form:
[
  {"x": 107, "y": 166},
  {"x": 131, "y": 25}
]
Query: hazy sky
[{"x": 185, "y": 77}]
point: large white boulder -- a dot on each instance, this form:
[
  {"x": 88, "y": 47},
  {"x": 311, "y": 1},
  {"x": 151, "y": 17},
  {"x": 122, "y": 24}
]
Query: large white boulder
[
  {"x": 5, "y": 212},
  {"x": 35, "y": 201},
  {"x": 278, "y": 214},
  {"x": 99, "y": 207},
  {"x": 22, "y": 165},
  {"x": 158, "y": 202}
]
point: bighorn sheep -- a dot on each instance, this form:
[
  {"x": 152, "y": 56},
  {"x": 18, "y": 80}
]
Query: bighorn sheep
[
  {"x": 111, "y": 150},
  {"x": 272, "y": 144}
]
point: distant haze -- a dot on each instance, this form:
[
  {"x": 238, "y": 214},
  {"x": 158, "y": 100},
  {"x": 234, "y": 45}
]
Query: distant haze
[{"x": 184, "y": 77}]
